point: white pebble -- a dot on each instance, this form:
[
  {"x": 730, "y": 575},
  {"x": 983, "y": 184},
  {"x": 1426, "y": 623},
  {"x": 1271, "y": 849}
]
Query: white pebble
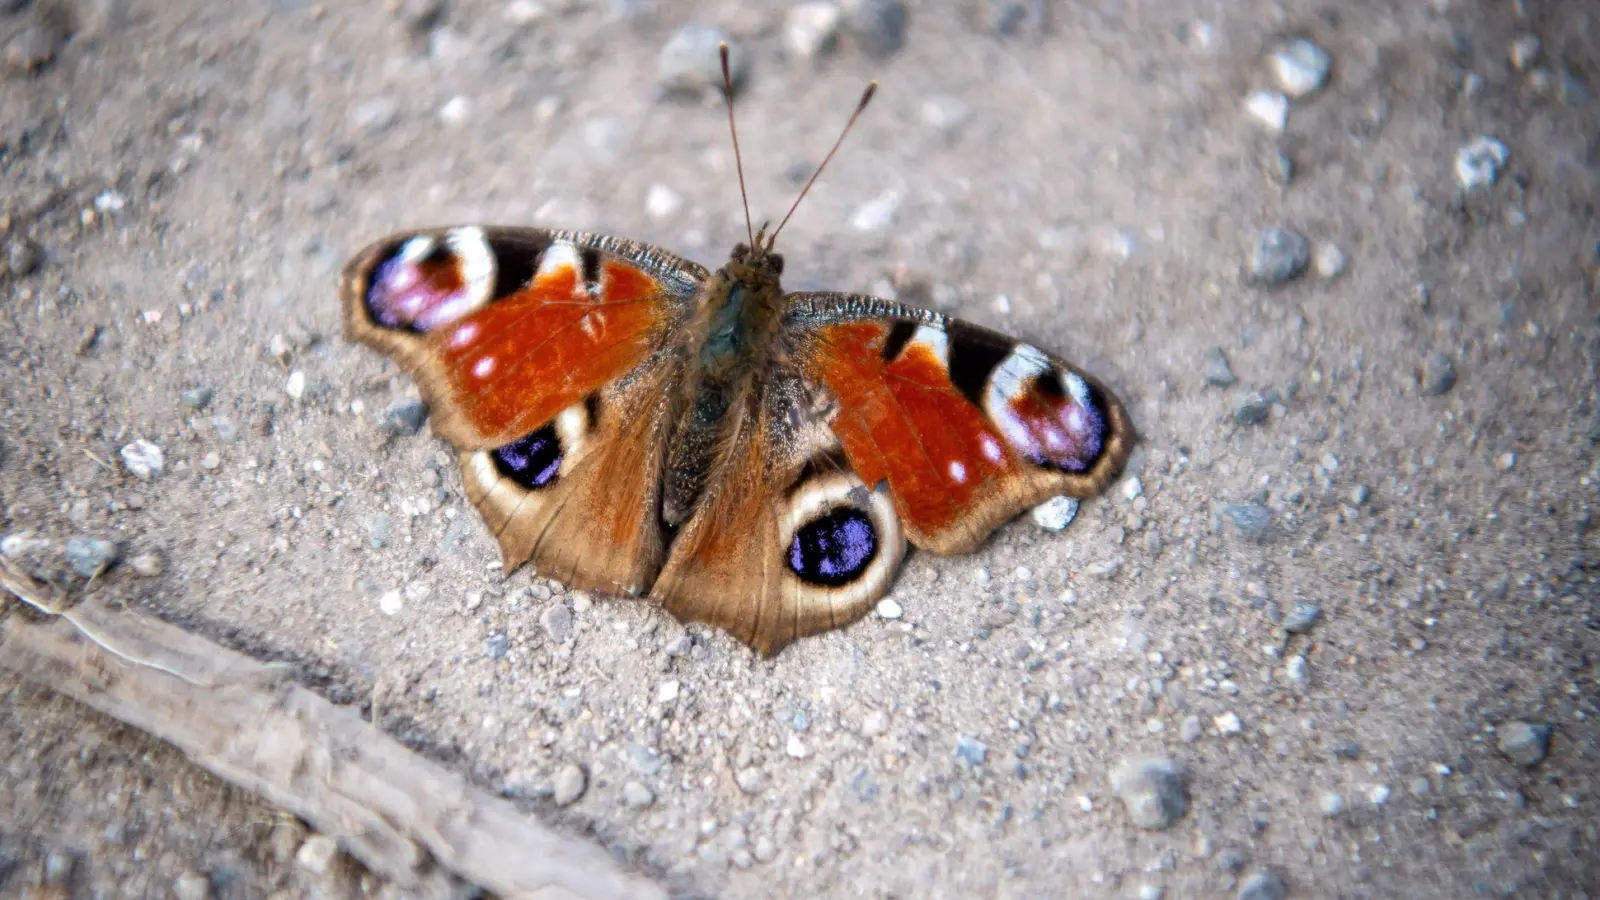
[
  {"x": 877, "y": 214},
  {"x": 1378, "y": 794},
  {"x": 662, "y": 201},
  {"x": 1478, "y": 162},
  {"x": 295, "y": 387},
  {"x": 889, "y": 609},
  {"x": 1270, "y": 108},
  {"x": 1227, "y": 724},
  {"x": 811, "y": 28},
  {"x": 797, "y": 748},
  {"x": 1332, "y": 803},
  {"x": 1301, "y": 67},
  {"x": 144, "y": 459},
  {"x": 1505, "y": 462},
  {"x": 391, "y": 603},
  {"x": 667, "y": 692},
  {"x": 1132, "y": 488},
  {"x": 455, "y": 111},
  {"x": 1329, "y": 260},
  {"x": 1056, "y": 513}
]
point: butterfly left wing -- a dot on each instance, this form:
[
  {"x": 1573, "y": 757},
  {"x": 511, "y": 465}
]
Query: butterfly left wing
[
  {"x": 965, "y": 426},
  {"x": 545, "y": 357}
]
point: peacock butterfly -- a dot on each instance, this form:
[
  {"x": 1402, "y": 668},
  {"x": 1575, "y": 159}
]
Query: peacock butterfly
[{"x": 638, "y": 425}]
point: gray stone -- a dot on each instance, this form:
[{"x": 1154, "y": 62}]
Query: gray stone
[
  {"x": 1438, "y": 375},
  {"x": 376, "y": 115},
  {"x": 690, "y": 63},
  {"x": 569, "y": 784},
  {"x": 1263, "y": 885},
  {"x": 89, "y": 557},
  {"x": 1525, "y": 743},
  {"x": 557, "y": 622},
  {"x": 1252, "y": 409},
  {"x": 495, "y": 645},
  {"x": 379, "y": 528},
  {"x": 403, "y": 419},
  {"x": 1279, "y": 255},
  {"x": 1302, "y": 616},
  {"x": 878, "y": 26},
  {"x": 1153, "y": 791},
  {"x": 1479, "y": 161},
  {"x": 645, "y": 760},
  {"x": 191, "y": 885},
  {"x": 1252, "y": 520},
  {"x": 23, "y": 257},
  {"x": 971, "y": 751},
  {"x": 1218, "y": 372},
  {"x": 197, "y": 398},
  {"x": 636, "y": 795}
]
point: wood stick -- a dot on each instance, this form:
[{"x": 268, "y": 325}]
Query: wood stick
[{"x": 399, "y": 814}]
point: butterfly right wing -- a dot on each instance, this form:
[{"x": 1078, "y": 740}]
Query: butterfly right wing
[{"x": 545, "y": 357}]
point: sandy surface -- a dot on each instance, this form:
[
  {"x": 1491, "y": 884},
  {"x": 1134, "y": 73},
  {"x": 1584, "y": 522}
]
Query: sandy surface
[{"x": 193, "y": 177}]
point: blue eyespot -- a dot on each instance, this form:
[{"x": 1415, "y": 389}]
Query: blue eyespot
[{"x": 834, "y": 549}]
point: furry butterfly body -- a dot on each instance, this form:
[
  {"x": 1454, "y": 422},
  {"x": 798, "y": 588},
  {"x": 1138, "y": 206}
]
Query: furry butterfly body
[{"x": 638, "y": 425}]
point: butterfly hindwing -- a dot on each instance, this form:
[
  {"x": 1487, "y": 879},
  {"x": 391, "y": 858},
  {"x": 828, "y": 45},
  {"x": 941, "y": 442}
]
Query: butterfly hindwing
[
  {"x": 545, "y": 357},
  {"x": 966, "y": 426}
]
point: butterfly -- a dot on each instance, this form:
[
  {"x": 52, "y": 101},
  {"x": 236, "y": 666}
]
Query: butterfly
[{"x": 638, "y": 425}]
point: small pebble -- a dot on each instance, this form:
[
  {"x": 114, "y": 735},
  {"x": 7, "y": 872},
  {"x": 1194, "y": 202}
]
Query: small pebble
[
  {"x": 1227, "y": 724},
  {"x": 496, "y": 645},
  {"x": 1252, "y": 409},
  {"x": 89, "y": 557},
  {"x": 23, "y": 257},
  {"x": 662, "y": 202},
  {"x": 1132, "y": 488},
  {"x": 1346, "y": 750},
  {"x": 1505, "y": 462},
  {"x": 1263, "y": 885},
  {"x": 874, "y": 724},
  {"x": 1328, "y": 260},
  {"x": 645, "y": 760},
  {"x": 878, "y": 26},
  {"x": 1524, "y": 743},
  {"x": 1438, "y": 375},
  {"x": 811, "y": 29},
  {"x": 147, "y": 565},
  {"x": 191, "y": 885},
  {"x": 379, "y": 528},
  {"x": 376, "y": 115},
  {"x": 689, "y": 64},
  {"x": 636, "y": 795},
  {"x": 1251, "y": 519},
  {"x": 971, "y": 751},
  {"x": 456, "y": 111},
  {"x": 1056, "y": 513},
  {"x": 211, "y": 461},
  {"x": 888, "y": 609},
  {"x": 1279, "y": 255},
  {"x": 1300, "y": 67},
  {"x": 1331, "y": 803},
  {"x": 1478, "y": 162},
  {"x": 667, "y": 692},
  {"x": 796, "y": 748},
  {"x": 1302, "y": 617},
  {"x": 403, "y": 419},
  {"x": 295, "y": 386},
  {"x": 1524, "y": 52},
  {"x": 317, "y": 853},
  {"x": 1152, "y": 790},
  {"x": 766, "y": 851},
  {"x": 1191, "y": 729},
  {"x": 569, "y": 784},
  {"x": 557, "y": 622},
  {"x": 750, "y": 780},
  {"x": 391, "y": 602},
  {"x": 1270, "y": 108},
  {"x": 1218, "y": 372},
  {"x": 197, "y": 398},
  {"x": 945, "y": 113},
  {"x": 877, "y": 214},
  {"x": 144, "y": 459}
]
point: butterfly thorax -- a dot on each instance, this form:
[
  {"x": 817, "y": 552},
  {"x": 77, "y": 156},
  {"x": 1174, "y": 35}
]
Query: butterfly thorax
[{"x": 737, "y": 315}]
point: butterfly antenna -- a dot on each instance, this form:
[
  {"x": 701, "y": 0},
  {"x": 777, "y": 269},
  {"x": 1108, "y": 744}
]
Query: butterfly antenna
[
  {"x": 866, "y": 97},
  {"x": 738, "y": 161}
]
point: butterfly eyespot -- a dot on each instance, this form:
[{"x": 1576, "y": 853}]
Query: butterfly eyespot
[
  {"x": 835, "y": 548},
  {"x": 533, "y": 461},
  {"x": 424, "y": 281}
]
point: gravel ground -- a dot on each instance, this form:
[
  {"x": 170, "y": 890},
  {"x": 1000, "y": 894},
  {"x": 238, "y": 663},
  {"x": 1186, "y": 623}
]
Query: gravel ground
[{"x": 1335, "y": 635}]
